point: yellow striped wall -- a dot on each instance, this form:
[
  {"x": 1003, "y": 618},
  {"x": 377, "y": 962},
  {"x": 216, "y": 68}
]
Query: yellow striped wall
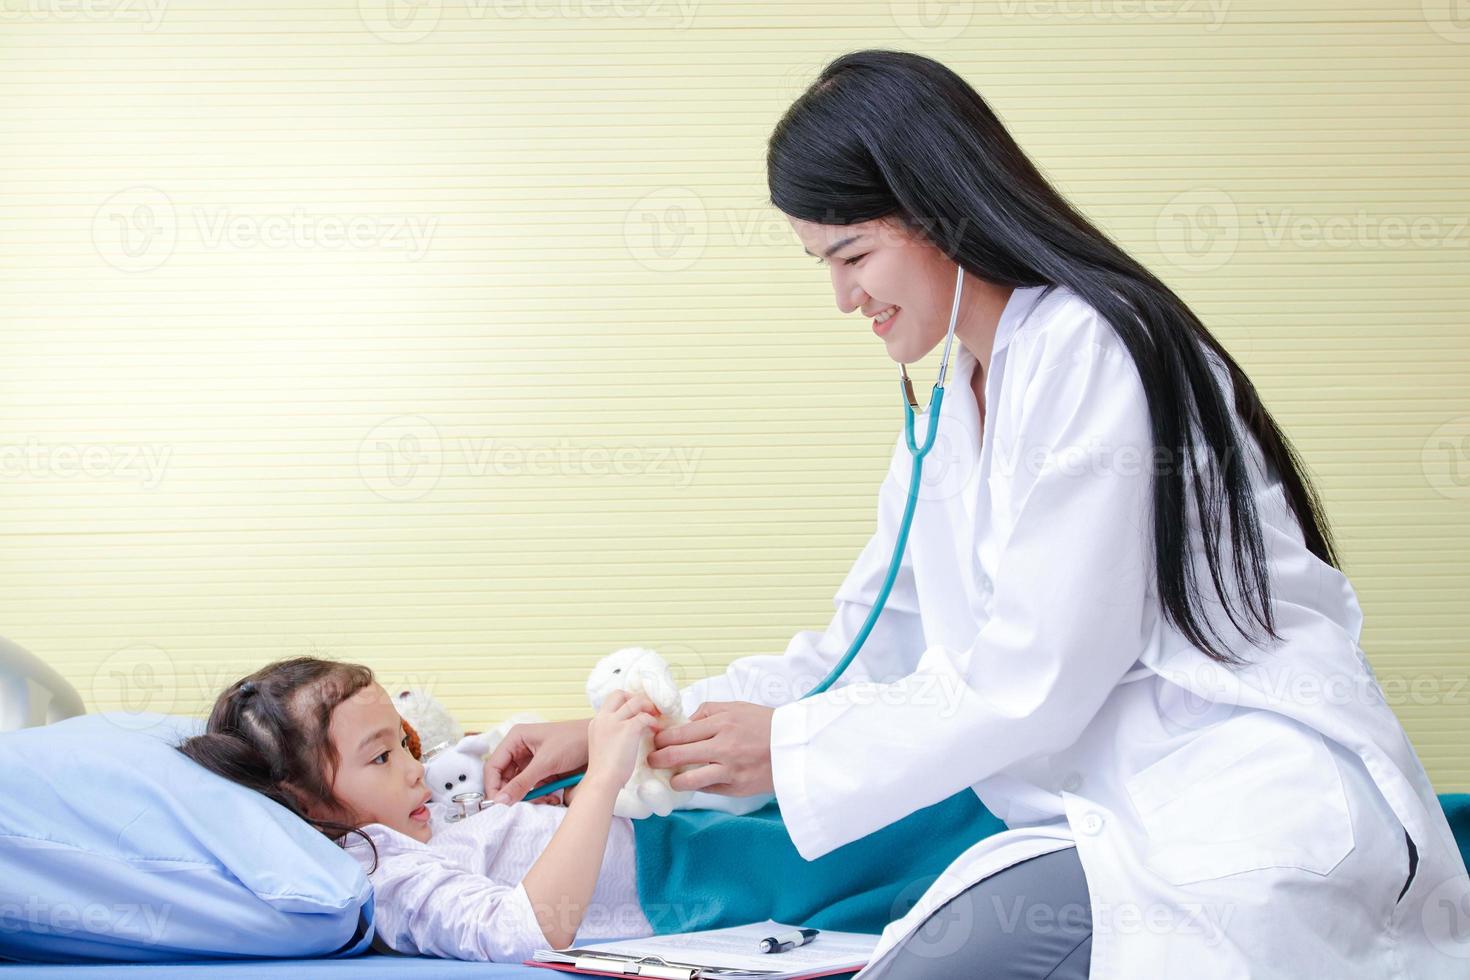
[{"x": 456, "y": 336}]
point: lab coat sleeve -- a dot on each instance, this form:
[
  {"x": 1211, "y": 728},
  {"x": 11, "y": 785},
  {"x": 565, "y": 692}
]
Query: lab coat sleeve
[
  {"x": 1068, "y": 619},
  {"x": 426, "y": 905}
]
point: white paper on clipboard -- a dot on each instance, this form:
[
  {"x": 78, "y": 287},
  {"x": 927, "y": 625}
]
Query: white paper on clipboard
[{"x": 724, "y": 954}]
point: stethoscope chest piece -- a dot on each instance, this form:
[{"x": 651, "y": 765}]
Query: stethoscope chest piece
[{"x": 468, "y": 803}]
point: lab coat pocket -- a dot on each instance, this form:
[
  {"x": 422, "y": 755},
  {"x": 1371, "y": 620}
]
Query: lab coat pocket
[{"x": 1254, "y": 791}]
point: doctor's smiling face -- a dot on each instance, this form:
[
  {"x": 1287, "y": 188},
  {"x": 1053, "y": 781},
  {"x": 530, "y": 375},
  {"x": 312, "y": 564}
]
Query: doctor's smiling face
[{"x": 902, "y": 282}]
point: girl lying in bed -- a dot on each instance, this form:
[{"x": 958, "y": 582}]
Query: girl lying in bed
[{"x": 323, "y": 739}]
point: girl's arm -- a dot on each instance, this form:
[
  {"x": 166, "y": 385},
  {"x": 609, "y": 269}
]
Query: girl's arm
[
  {"x": 560, "y": 883},
  {"x": 427, "y": 904}
]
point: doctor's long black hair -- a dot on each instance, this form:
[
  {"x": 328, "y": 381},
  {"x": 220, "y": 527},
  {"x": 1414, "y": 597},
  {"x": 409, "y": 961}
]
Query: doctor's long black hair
[{"x": 887, "y": 133}]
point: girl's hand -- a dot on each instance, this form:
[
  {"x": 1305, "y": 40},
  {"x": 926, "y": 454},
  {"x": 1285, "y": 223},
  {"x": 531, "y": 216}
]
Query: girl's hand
[{"x": 615, "y": 734}]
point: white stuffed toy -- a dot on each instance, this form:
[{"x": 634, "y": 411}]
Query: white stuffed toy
[
  {"x": 460, "y": 768},
  {"x": 436, "y": 727},
  {"x": 640, "y": 671},
  {"x": 454, "y": 763}
]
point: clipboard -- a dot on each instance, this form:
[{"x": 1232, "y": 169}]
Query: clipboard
[
  {"x": 658, "y": 968},
  {"x": 713, "y": 954}
]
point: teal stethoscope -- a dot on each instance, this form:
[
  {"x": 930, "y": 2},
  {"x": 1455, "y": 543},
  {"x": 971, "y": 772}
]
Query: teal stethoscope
[{"x": 918, "y": 452}]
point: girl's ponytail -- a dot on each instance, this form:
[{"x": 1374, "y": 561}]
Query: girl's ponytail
[{"x": 270, "y": 732}]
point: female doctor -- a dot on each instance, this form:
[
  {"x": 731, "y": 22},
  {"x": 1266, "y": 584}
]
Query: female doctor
[{"x": 1118, "y": 620}]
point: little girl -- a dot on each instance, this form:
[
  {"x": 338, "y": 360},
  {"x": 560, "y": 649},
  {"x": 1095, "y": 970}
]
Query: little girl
[{"x": 323, "y": 739}]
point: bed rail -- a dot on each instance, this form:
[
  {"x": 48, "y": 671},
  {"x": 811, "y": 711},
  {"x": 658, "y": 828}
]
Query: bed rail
[{"x": 31, "y": 693}]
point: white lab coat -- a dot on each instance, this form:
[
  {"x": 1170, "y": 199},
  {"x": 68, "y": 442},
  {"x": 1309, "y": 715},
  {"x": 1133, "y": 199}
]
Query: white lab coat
[{"x": 1231, "y": 822}]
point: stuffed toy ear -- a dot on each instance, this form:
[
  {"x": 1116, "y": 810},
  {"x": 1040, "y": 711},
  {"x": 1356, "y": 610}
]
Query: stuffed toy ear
[
  {"x": 414, "y": 748},
  {"x": 476, "y": 745}
]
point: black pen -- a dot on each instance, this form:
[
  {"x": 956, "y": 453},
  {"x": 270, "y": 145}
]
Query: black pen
[{"x": 788, "y": 940}]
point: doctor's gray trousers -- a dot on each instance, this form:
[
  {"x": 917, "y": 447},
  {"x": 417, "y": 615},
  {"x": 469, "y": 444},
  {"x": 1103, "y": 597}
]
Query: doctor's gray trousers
[{"x": 1031, "y": 921}]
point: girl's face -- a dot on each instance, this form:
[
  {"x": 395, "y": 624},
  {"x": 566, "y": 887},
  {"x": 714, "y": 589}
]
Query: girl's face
[
  {"x": 882, "y": 265},
  {"x": 376, "y": 779}
]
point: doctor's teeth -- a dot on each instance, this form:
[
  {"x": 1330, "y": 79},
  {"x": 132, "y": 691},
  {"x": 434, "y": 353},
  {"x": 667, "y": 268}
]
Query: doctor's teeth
[{"x": 884, "y": 315}]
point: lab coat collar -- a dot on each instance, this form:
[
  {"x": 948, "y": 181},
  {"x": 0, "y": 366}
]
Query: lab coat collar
[
  {"x": 959, "y": 403},
  {"x": 1022, "y": 301}
]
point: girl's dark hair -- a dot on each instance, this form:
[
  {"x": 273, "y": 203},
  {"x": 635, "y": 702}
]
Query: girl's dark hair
[
  {"x": 270, "y": 731},
  {"x": 886, "y": 133}
]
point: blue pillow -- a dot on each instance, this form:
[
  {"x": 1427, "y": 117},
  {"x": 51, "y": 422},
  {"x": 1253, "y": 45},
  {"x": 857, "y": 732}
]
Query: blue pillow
[{"x": 116, "y": 846}]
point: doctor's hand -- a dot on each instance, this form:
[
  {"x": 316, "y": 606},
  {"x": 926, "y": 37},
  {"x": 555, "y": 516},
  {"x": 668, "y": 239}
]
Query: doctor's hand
[
  {"x": 534, "y": 754},
  {"x": 729, "y": 742}
]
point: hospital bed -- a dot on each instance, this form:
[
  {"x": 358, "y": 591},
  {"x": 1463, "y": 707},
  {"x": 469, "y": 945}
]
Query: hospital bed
[{"x": 32, "y": 694}]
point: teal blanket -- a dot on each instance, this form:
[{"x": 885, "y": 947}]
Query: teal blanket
[{"x": 700, "y": 869}]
